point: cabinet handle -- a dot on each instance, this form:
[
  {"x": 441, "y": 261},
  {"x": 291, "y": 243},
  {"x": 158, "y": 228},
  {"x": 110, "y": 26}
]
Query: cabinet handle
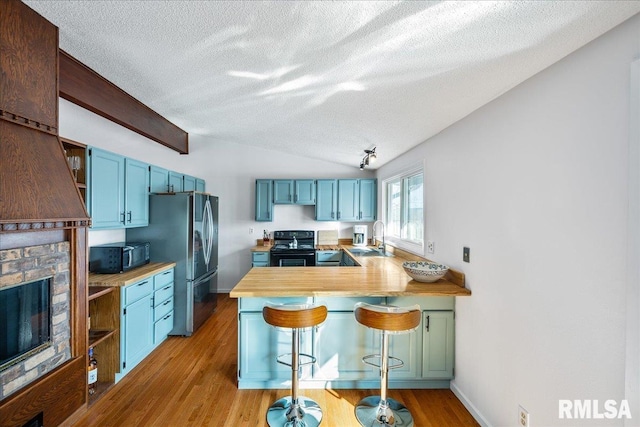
[
  {"x": 166, "y": 287},
  {"x": 338, "y": 214},
  {"x": 167, "y": 316},
  {"x": 360, "y": 214},
  {"x": 166, "y": 272},
  {"x": 295, "y": 198},
  {"x": 129, "y": 217},
  {"x": 142, "y": 283},
  {"x": 167, "y": 302},
  {"x": 427, "y": 325},
  {"x": 122, "y": 217}
]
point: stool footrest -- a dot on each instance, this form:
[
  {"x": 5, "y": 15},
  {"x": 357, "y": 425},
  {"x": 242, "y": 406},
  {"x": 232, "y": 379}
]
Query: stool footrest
[
  {"x": 310, "y": 359},
  {"x": 394, "y": 362}
]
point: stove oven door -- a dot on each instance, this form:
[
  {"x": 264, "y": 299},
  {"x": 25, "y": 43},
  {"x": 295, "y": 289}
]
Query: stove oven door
[{"x": 293, "y": 259}]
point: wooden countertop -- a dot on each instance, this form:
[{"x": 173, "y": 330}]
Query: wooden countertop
[
  {"x": 376, "y": 276},
  {"x": 129, "y": 277}
]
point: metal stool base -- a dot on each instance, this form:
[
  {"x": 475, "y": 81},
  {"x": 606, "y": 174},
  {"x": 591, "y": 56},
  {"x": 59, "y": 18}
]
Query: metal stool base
[
  {"x": 370, "y": 413},
  {"x": 283, "y": 414}
]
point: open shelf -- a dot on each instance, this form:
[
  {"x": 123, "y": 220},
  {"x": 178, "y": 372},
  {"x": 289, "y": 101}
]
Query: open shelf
[
  {"x": 101, "y": 388},
  {"x": 96, "y": 336},
  {"x": 98, "y": 291}
]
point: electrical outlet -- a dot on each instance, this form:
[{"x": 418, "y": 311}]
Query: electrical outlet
[
  {"x": 250, "y": 230},
  {"x": 523, "y": 417},
  {"x": 466, "y": 254},
  {"x": 430, "y": 245}
]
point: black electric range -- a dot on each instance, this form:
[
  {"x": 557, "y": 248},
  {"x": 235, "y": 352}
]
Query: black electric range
[{"x": 293, "y": 248}]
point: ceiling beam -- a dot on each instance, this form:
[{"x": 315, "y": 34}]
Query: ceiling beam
[{"x": 83, "y": 86}]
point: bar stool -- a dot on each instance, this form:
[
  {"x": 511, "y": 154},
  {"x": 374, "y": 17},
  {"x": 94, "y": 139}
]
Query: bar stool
[
  {"x": 381, "y": 410},
  {"x": 294, "y": 410}
]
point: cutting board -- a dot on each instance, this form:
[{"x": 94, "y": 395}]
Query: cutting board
[{"x": 327, "y": 237}]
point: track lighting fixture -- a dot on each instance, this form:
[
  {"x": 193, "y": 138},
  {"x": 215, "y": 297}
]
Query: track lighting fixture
[{"x": 369, "y": 157}]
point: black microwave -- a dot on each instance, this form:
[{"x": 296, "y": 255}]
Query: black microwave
[{"x": 118, "y": 257}]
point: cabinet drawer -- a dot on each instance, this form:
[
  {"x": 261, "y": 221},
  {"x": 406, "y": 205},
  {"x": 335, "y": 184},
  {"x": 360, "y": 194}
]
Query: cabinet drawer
[
  {"x": 260, "y": 256},
  {"x": 324, "y": 256},
  {"x": 162, "y": 279},
  {"x": 162, "y": 294},
  {"x": 138, "y": 290},
  {"x": 260, "y": 264},
  {"x": 327, "y": 263},
  {"x": 162, "y": 308},
  {"x": 162, "y": 327}
]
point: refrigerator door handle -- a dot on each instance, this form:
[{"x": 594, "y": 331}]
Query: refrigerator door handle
[
  {"x": 211, "y": 231},
  {"x": 206, "y": 231}
]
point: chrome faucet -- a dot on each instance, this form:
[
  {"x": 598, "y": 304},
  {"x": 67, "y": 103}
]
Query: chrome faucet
[{"x": 383, "y": 246}]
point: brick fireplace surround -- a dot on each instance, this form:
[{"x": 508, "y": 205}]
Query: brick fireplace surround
[{"x": 27, "y": 264}]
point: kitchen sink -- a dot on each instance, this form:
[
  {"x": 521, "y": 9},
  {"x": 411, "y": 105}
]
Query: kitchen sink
[{"x": 367, "y": 252}]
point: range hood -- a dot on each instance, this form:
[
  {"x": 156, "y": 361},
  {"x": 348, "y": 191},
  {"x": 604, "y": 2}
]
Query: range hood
[{"x": 37, "y": 188}]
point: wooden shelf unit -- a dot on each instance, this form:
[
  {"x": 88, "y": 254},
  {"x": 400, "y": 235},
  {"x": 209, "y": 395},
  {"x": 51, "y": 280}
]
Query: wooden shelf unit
[
  {"x": 74, "y": 148},
  {"x": 104, "y": 335}
]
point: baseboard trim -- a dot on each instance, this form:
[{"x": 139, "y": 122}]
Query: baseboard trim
[{"x": 475, "y": 413}]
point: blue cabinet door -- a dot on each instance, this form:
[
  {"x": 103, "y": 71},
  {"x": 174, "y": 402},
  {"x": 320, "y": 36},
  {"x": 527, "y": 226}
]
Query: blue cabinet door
[
  {"x": 189, "y": 183},
  {"x": 326, "y": 199},
  {"x": 158, "y": 180},
  {"x": 283, "y": 191},
  {"x": 339, "y": 345},
  {"x": 304, "y": 192},
  {"x": 107, "y": 189},
  {"x": 137, "y": 332},
  {"x": 200, "y": 185},
  {"x": 368, "y": 200},
  {"x": 259, "y": 346},
  {"x": 136, "y": 193},
  {"x": 264, "y": 200},
  {"x": 348, "y": 200},
  {"x": 437, "y": 344},
  {"x": 176, "y": 182}
]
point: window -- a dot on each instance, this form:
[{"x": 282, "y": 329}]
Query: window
[{"x": 404, "y": 210}]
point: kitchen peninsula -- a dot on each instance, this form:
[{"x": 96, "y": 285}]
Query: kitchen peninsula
[{"x": 340, "y": 342}]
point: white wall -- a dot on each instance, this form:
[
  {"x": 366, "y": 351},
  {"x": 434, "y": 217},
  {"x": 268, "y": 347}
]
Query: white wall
[
  {"x": 230, "y": 171},
  {"x": 536, "y": 184}
]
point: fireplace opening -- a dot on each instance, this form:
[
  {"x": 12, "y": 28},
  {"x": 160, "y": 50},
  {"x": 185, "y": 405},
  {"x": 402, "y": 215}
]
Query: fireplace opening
[{"x": 25, "y": 320}]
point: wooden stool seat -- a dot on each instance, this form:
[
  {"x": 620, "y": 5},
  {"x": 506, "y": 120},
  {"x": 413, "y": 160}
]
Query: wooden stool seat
[
  {"x": 389, "y": 320},
  {"x": 294, "y": 410}
]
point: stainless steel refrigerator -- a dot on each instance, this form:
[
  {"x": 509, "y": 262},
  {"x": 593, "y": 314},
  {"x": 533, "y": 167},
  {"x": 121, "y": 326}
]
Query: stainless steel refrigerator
[{"x": 183, "y": 228}]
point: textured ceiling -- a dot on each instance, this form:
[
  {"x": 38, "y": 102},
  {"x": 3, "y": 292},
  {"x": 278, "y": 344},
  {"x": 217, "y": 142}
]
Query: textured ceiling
[{"x": 324, "y": 79}]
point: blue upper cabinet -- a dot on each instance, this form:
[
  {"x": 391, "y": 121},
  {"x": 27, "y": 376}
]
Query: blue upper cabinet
[
  {"x": 264, "y": 200},
  {"x": 189, "y": 183},
  {"x": 368, "y": 200},
  {"x": 304, "y": 192},
  {"x": 299, "y": 191},
  {"x": 176, "y": 182},
  {"x": 107, "y": 189},
  {"x": 159, "y": 180},
  {"x": 119, "y": 191},
  {"x": 282, "y": 191},
  {"x": 348, "y": 200},
  {"x": 200, "y": 185},
  {"x": 326, "y": 200},
  {"x": 136, "y": 193}
]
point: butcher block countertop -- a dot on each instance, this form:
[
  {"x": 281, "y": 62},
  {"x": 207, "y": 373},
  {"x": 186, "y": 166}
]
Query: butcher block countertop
[
  {"x": 129, "y": 277},
  {"x": 375, "y": 276}
]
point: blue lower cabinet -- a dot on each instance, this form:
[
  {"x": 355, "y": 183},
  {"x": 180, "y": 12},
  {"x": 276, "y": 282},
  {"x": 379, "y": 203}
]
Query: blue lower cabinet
[
  {"x": 340, "y": 343},
  {"x": 136, "y": 328},
  {"x": 146, "y": 318},
  {"x": 437, "y": 344},
  {"x": 260, "y": 259},
  {"x": 341, "y": 331},
  {"x": 260, "y": 345}
]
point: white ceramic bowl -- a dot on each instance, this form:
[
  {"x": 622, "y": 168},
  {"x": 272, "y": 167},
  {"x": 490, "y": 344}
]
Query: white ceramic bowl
[{"x": 425, "y": 271}]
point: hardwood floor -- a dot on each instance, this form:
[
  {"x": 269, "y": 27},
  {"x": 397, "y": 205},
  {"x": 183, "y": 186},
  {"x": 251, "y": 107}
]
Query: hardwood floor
[{"x": 192, "y": 382}]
